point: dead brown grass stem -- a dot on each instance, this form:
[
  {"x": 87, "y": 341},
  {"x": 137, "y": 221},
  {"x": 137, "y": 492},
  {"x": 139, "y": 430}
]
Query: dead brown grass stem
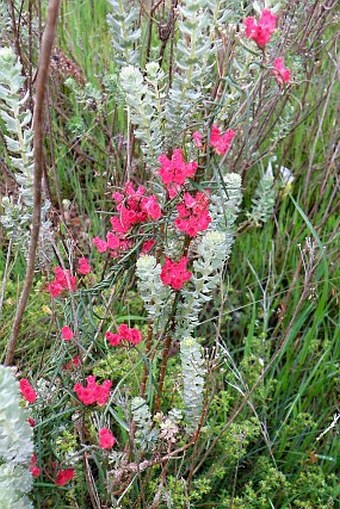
[{"x": 38, "y": 128}]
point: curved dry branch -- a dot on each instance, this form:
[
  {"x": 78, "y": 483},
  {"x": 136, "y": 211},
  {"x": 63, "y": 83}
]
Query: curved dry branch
[{"x": 42, "y": 77}]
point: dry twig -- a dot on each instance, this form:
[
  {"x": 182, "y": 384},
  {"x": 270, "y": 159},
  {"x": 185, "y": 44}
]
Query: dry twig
[{"x": 42, "y": 77}]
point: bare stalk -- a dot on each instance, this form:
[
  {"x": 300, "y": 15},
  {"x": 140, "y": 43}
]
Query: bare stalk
[{"x": 42, "y": 77}]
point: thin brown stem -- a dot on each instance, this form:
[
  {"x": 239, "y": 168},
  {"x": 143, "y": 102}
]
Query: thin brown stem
[
  {"x": 162, "y": 372},
  {"x": 146, "y": 364},
  {"x": 42, "y": 77}
]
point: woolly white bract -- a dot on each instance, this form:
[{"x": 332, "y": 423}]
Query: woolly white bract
[{"x": 16, "y": 446}]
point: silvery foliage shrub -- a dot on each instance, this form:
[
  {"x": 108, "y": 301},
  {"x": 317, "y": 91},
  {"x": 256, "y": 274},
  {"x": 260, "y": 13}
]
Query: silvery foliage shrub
[
  {"x": 17, "y": 215},
  {"x": 151, "y": 289},
  {"x": 225, "y": 208},
  {"x": 161, "y": 110},
  {"x": 146, "y": 434},
  {"x": 16, "y": 446},
  {"x": 212, "y": 250},
  {"x": 144, "y": 99},
  {"x": 206, "y": 275},
  {"x": 264, "y": 198},
  {"x": 122, "y": 22},
  {"x": 193, "y": 80},
  {"x": 193, "y": 373}
]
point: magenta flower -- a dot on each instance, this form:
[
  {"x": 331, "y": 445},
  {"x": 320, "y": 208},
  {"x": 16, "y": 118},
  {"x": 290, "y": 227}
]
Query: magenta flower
[
  {"x": 93, "y": 392},
  {"x": 175, "y": 274},
  {"x": 175, "y": 171},
  {"x": 64, "y": 476},
  {"x": 261, "y": 31},
  {"x": 193, "y": 214},
  {"x": 62, "y": 281},
  {"x": 221, "y": 142},
  {"x": 66, "y": 333},
  {"x": 27, "y": 391},
  {"x": 124, "y": 333},
  {"x": 281, "y": 73},
  {"x": 106, "y": 439},
  {"x": 83, "y": 266}
]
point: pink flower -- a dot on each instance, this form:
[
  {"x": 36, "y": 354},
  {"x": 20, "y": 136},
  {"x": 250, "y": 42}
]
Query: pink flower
[
  {"x": 66, "y": 333},
  {"x": 31, "y": 421},
  {"x": 113, "y": 339},
  {"x": 62, "y": 281},
  {"x": 27, "y": 391},
  {"x": 135, "y": 336},
  {"x": 106, "y": 439},
  {"x": 261, "y": 31},
  {"x": 133, "y": 207},
  {"x": 113, "y": 241},
  {"x": 100, "y": 244},
  {"x": 152, "y": 207},
  {"x": 118, "y": 197},
  {"x": 281, "y": 73},
  {"x": 175, "y": 274},
  {"x": 73, "y": 363},
  {"x": 221, "y": 142},
  {"x": 175, "y": 171},
  {"x": 193, "y": 214},
  {"x": 132, "y": 335},
  {"x": 83, "y": 266},
  {"x": 34, "y": 469},
  {"x": 55, "y": 289},
  {"x": 93, "y": 392},
  {"x": 126, "y": 220},
  {"x": 197, "y": 139},
  {"x": 76, "y": 361},
  {"x": 147, "y": 246},
  {"x": 64, "y": 476}
]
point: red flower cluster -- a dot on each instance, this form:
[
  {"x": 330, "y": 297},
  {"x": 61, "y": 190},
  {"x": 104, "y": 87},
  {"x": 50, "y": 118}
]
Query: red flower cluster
[
  {"x": 221, "y": 142},
  {"x": 62, "y": 281},
  {"x": 147, "y": 246},
  {"x": 134, "y": 207},
  {"x": 175, "y": 274},
  {"x": 281, "y": 73},
  {"x": 175, "y": 171},
  {"x": 66, "y": 333},
  {"x": 106, "y": 439},
  {"x": 27, "y": 391},
  {"x": 193, "y": 214},
  {"x": 133, "y": 336},
  {"x": 64, "y": 476},
  {"x": 93, "y": 392},
  {"x": 83, "y": 266},
  {"x": 261, "y": 31},
  {"x": 34, "y": 469}
]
